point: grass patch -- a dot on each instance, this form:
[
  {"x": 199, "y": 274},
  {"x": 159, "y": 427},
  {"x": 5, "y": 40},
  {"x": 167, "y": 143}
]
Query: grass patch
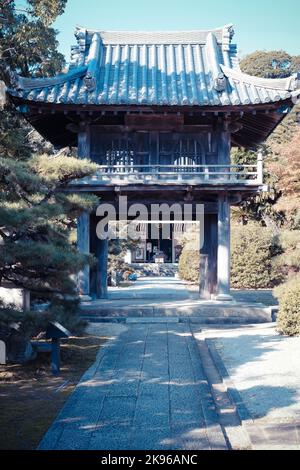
[{"x": 31, "y": 397}]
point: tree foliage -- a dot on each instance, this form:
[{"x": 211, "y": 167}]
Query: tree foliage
[
  {"x": 28, "y": 45},
  {"x": 37, "y": 215},
  {"x": 267, "y": 207},
  {"x": 273, "y": 64},
  {"x": 36, "y": 218},
  {"x": 286, "y": 170},
  {"x": 47, "y": 10},
  {"x": 279, "y": 209}
]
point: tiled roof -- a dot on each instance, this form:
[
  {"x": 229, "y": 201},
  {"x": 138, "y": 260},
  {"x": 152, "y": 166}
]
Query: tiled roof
[{"x": 155, "y": 68}]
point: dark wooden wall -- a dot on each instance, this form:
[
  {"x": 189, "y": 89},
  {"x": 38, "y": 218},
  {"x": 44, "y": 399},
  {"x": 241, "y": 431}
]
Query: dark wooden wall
[{"x": 153, "y": 148}]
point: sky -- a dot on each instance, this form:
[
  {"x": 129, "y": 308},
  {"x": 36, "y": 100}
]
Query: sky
[{"x": 259, "y": 24}]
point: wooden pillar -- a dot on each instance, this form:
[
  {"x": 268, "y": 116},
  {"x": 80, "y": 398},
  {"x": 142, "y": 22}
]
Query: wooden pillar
[
  {"x": 83, "y": 245},
  {"x": 208, "y": 258},
  {"x": 98, "y": 276},
  {"x": 84, "y": 140},
  {"x": 83, "y": 222},
  {"x": 204, "y": 289},
  {"x": 224, "y": 147},
  {"x": 223, "y": 248},
  {"x": 101, "y": 269}
]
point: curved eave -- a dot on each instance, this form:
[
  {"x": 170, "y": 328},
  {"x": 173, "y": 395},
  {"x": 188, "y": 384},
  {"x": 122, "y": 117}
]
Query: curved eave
[
  {"x": 288, "y": 84},
  {"x": 51, "y": 120},
  {"x": 22, "y": 85},
  {"x": 74, "y": 92}
]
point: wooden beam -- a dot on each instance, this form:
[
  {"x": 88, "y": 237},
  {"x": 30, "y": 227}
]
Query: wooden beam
[
  {"x": 154, "y": 121},
  {"x": 120, "y": 129},
  {"x": 156, "y": 109}
]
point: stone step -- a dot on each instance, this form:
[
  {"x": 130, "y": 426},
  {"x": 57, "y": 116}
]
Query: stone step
[
  {"x": 192, "y": 320},
  {"x": 133, "y": 320},
  {"x": 195, "y": 313},
  {"x": 154, "y": 269}
]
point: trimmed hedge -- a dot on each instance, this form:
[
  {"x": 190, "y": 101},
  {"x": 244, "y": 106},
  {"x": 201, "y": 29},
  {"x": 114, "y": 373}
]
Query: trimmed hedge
[
  {"x": 288, "y": 295},
  {"x": 252, "y": 251},
  {"x": 251, "y": 257},
  {"x": 189, "y": 262}
]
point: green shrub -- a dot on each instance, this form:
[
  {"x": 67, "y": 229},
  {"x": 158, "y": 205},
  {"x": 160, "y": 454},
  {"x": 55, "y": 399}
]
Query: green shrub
[
  {"x": 189, "y": 264},
  {"x": 288, "y": 295},
  {"x": 287, "y": 262},
  {"x": 251, "y": 257}
]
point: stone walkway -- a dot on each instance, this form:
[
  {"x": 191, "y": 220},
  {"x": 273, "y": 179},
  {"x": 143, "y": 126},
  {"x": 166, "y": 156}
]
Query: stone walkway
[
  {"x": 155, "y": 384},
  {"x": 169, "y": 297},
  {"x": 152, "y": 288},
  {"x": 147, "y": 390}
]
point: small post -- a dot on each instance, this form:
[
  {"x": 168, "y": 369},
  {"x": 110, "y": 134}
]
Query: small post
[
  {"x": 55, "y": 332},
  {"x": 55, "y": 356},
  {"x": 204, "y": 287},
  {"x": 260, "y": 168},
  {"x": 2, "y": 94},
  {"x": 2, "y": 353},
  {"x": 206, "y": 173}
]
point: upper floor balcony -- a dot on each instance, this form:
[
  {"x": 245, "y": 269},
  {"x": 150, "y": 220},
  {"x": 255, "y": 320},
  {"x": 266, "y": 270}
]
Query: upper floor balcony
[{"x": 179, "y": 173}]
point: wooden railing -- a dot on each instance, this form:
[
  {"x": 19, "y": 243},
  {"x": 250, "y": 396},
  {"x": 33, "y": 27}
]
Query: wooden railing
[
  {"x": 228, "y": 174},
  {"x": 180, "y": 174}
]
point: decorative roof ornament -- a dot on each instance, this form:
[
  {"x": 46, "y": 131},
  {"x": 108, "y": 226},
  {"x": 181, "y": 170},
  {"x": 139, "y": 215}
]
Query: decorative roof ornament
[
  {"x": 80, "y": 35},
  {"x": 227, "y": 36},
  {"x": 212, "y": 52},
  {"x": 295, "y": 81},
  {"x": 89, "y": 82},
  {"x": 296, "y": 85},
  {"x": 220, "y": 83}
]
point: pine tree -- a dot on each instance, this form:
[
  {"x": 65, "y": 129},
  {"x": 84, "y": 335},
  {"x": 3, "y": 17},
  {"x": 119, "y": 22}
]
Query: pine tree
[{"x": 37, "y": 215}]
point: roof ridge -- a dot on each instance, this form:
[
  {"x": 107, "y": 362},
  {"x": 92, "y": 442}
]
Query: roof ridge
[
  {"x": 228, "y": 26},
  {"x": 223, "y": 35}
]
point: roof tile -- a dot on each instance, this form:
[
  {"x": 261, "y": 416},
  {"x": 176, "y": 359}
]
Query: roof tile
[{"x": 155, "y": 68}]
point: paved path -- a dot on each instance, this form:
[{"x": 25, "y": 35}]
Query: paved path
[
  {"x": 147, "y": 390},
  {"x": 152, "y": 288},
  {"x": 160, "y": 289},
  {"x": 169, "y": 297}
]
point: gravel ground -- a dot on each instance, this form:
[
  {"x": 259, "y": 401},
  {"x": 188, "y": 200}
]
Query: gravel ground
[{"x": 265, "y": 369}]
